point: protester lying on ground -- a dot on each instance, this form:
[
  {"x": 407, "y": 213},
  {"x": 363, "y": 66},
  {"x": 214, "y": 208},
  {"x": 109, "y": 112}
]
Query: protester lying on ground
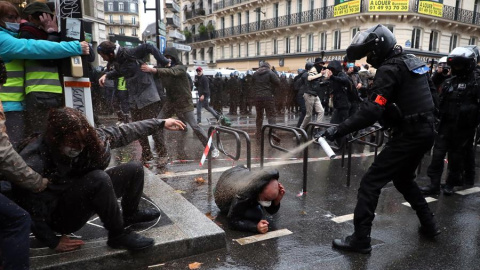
[
  {"x": 73, "y": 156},
  {"x": 243, "y": 195}
]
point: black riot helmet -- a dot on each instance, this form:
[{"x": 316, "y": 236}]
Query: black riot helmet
[
  {"x": 376, "y": 43},
  {"x": 475, "y": 50},
  {"x": 462, "y": 61},
  {"x": 308, "y": 66}
]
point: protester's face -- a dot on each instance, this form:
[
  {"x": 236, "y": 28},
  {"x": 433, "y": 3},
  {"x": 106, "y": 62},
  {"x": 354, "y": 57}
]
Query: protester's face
[
  {"x": 73, "y": 143},
  {"x": 270, "y": 191},
  {"x": 11, "y": 17},
  {"x": 106, "y": 57},
  {"x": 199, "y": 72}
]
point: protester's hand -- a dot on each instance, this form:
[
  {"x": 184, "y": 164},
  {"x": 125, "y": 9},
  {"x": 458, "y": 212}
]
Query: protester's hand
[
  {"x": 359, "y": 85},
  {"x": 173, "y": 124},
  {"x": 85, "y": 48},
  {"x": 48, "y": 23},
  {"x": 330, "y": 133},
  {"x": 146, "y": 68},
  {"x": 328, "y": 73},
  {"x": 42, "y": 186},
  {"x": 262, "y": 226},
  {"x": 102, "y": 79},
  {"x": 67, "y": 244},
  {"x": 202, "y": 98},
  {"x": 281, "y": 192}
]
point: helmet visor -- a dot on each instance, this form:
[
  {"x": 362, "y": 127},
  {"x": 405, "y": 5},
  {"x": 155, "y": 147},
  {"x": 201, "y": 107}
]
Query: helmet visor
[
  {"x": 463, "y": 52},
  {"x": 362, "y": 43}
]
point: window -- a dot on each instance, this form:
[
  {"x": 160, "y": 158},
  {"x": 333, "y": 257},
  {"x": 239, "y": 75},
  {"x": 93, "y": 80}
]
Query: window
[
  {"x": 416, "y": 33},
  {"x": 110, "y": 18},
  {"x": 121, "y": 19},
  {"x": 433, "y": 43},
  {"x": 223, "y": 52},
  {"x": 110, "y": 31},
  {"x": 299, "y": 43},
  {"x": 246, "y": 50},
  {"x": 231, "y": 21},
  {"x": 310, "y": 42},
  {"x": 258, "y": 48},
  {"x": 239, "y": 50},
  {"x": 122, "y": 31},
  {"x": 355, "y": 31},
  {"x": 222, "y": 23},
  {"x": 133, "y": 7},
  {"x": 239, "y": 19},
  {"x": 134, "y": 20},
  {"x": 247, "y": 16},
  {"x": 472, "y": 41},
  {"x": 299, "y": 6},
  {"x": 336, "y": 39},
  {"x": 453, "y": 42},
  {"x": 287, "y": 45},
  {"x": 275, "y": 46},
  {"x": 312, "y": 4},
  {"x": 323, "y": 41},
  {"x": 121, "y": 6},
  {"x": 231, "y": 51},
  {"x": 134, "y": 31},
  {"x": 110, "y": 6}
]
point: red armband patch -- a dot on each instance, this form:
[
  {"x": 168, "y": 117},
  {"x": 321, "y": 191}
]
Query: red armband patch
[{"x": 380, "y": 100}]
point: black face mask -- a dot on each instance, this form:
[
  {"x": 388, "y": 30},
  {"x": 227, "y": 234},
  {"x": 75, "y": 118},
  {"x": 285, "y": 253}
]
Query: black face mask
[
  {"x": 374, "y": 60},
  {"x": 318, "y": 68}
]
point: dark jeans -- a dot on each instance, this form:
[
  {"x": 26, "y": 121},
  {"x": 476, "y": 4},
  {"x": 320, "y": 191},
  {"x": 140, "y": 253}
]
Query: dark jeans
[
  {"x": 37, "y": 107},
  {"x": 147, "y": 112},
  {"x": 15, "y": 124},
  {"x": 269, "y": 107},
  {"x": 397, "y": 162},
  {"x": 339, "y": 115},
  {"x": 456, "y": 143},
  {"x": 97, "y": 193},
  {"x": 122, "y": 98},
  {"x": 303, "y": 109},
  {"x": 204, "y": 104},
  {"x": 187, "y": 118},
  {"x": 14, "y": 235}
]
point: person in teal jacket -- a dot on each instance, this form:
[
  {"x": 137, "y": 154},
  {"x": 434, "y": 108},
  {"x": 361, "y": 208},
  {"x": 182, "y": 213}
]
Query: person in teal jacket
[{"x": 12, "y": 50}]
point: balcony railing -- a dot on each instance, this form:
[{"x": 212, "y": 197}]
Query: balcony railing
[
  {"x": 129, "y": 23},
  {"x": 228, "y": 3},
  {"x": 449, "y": 13},
  {"x": 194, "y": 13}
]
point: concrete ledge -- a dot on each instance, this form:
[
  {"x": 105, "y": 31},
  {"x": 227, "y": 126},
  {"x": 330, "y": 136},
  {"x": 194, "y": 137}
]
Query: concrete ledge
[{"x": 190, "y": 233}]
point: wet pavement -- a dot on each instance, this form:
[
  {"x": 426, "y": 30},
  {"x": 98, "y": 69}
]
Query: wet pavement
[{"x": 395, "y": 239}]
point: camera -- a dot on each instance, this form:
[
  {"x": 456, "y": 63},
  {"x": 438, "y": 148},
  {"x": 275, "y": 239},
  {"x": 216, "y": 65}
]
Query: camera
[{"x": 445, "y": 70}]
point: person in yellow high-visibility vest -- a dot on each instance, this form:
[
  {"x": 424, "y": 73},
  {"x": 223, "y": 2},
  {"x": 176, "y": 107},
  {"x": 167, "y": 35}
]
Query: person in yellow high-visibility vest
[
  {"x": 43, "y": 88},
  {"x": 123, "y": 107}
]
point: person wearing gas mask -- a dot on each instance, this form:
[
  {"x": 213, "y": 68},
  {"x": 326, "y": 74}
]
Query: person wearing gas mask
[
  {"x": 402, "y": 100},
  {"x": 459, "y": 118},
  {"x": 74, "y": 156},
  {"x": 245, "y": 196}
]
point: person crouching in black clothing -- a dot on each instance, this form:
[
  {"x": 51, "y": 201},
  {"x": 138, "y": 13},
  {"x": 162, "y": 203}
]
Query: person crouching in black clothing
[{"x": 74, "y": 157}]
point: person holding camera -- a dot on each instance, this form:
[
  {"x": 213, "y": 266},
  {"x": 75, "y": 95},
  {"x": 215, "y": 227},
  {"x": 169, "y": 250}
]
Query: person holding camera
[{"x": 441, "y": 74}]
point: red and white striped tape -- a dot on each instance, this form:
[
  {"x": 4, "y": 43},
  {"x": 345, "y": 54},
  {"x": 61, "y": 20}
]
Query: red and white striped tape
[{"x": 207, "y": 148}]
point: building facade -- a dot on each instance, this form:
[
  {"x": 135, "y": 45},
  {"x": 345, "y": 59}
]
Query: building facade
[
  {"x": 287, "y": 33},
  {"x": 122, "y": 22}
]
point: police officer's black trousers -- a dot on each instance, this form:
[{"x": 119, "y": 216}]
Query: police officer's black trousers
[
  {"x": 397, "y": 162},
  {"x": 456, "y": 142}
]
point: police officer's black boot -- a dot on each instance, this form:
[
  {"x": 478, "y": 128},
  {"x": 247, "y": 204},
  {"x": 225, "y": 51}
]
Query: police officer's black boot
[
  {"x": 432, "y": 189},
  {"x": 428, "y": 223},
  {"x": 353, "y": 243}
]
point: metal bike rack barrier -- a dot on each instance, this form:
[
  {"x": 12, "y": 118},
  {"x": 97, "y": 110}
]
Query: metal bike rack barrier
[
  {"x": 378, "y": 142},
  {"x": 311, "y": 126},
  {"x": 299, "y": 135},
  {"x": 234, "y": 132}
]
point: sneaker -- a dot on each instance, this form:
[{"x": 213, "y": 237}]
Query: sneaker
[
  {"x": 353, "y": 244},
  {"x": 215, "y": 153},
  {"x": 140, "y": 216},
  {"x": 225, "y": 121},
  {"x": 130, "y": 241}
]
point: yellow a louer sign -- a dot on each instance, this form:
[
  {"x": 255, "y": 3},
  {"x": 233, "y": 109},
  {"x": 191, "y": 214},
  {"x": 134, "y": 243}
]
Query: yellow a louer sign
[
  {"x": 388, "y": 5},
  {"x": 346, "y": 7},
  {"x": 431, "y": 7}
]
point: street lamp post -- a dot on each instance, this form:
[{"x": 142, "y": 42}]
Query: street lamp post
[{"x": 157, "y": 19}]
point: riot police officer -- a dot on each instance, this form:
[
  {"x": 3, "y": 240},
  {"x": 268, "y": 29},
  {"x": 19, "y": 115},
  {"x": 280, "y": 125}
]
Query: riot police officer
[
  {"x": 401, "y": 98},
  {"x": 459, "y": 112}
]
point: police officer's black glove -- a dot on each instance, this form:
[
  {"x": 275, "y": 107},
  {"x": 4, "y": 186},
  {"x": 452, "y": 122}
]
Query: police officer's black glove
[{"x": 330, "y": 134}]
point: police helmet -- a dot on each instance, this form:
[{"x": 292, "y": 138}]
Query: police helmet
[
  {"x": 291, "y": 76},
  {"x": 308, "y": 66},
  {"x": 218, "y": 75},
  {"x": 232, "y": 74},
  {"x": 249, "y": 72},
  {"x": 462, "y": 60},
  {"x": 283, "y": 75},
  {"x": 236, "y": 73},
  {"x": 242, "y": 75},
  {"x": 475, "y": 49},
  {"x": 376, "y": 43}
]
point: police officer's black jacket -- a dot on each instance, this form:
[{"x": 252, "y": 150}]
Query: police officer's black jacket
[
  {"x": 400, "y": 80},
  {"x": 62, "y": 171},
  {"x": 460, "y": 102}
]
